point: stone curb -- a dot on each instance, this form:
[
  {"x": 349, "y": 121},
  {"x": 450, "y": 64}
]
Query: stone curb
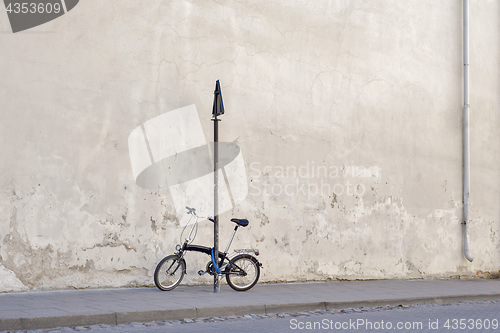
[{"x": 116, "y": 318}]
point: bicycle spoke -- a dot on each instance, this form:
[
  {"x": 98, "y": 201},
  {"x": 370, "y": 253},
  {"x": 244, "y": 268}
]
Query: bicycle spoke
[
  {"x": 243, "y": 273},
  {"x": 170, "y": 277}
]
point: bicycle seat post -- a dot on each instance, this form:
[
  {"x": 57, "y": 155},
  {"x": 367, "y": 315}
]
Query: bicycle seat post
[{"x": 231, "y": 239}]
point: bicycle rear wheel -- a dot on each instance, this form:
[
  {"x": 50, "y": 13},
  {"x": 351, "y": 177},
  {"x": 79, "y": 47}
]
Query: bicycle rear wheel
[
  {"x": 243, "y": 272},
  {"x": 169, "y": 272}
]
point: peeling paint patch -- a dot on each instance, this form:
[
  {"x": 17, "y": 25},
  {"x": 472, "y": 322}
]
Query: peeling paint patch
[
  {"x": 334, "y": 200},
  {"x": 9, "y": 281}
]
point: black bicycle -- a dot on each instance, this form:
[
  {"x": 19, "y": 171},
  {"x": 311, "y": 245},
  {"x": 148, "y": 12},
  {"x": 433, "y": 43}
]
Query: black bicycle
[{"x": 241, "y": 268}]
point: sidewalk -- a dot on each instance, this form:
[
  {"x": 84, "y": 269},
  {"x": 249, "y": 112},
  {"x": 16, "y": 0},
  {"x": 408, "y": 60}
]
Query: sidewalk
[{"x": 33, "y": 310}]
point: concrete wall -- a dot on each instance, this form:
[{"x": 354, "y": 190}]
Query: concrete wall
[{"x": 348, "y": 115}]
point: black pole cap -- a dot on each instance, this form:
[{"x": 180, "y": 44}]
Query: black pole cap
[{"x": 218, "y": 107}]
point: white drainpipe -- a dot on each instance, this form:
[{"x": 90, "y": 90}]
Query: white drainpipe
[{"x": 466, "y": 129}]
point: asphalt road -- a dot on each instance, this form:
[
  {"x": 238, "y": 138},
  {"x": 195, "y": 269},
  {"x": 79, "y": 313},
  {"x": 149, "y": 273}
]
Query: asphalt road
[{"x": 456, "y": 317}]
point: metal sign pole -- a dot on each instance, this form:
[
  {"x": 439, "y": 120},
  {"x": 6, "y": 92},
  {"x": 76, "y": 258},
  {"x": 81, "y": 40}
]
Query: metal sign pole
[
  {"x": 216, "y": 201},
  {"x": 218, "y": 109}
]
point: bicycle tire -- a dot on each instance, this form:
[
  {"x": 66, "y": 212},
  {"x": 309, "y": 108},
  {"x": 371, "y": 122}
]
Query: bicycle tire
[
  {"x": 169, "y": 272},
  {"x": 243, "y": 272}
]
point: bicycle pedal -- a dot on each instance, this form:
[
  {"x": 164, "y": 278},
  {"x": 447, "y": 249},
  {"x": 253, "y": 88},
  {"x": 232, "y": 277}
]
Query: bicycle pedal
[{"x": 200, "y": 272}]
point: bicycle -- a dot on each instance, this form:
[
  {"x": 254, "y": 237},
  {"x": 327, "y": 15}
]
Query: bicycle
[{"x": 242, "y": 270}]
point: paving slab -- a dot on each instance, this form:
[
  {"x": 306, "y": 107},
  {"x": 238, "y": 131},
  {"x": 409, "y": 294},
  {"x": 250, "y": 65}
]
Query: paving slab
[{"x": 51, "y": 309}]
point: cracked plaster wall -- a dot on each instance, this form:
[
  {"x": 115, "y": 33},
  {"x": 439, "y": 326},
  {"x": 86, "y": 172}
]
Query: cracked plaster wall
[{"x": 348, "y": 114}]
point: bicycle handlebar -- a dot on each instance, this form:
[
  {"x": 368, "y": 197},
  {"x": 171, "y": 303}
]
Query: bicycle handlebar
[{"x": 191, "y": 210}]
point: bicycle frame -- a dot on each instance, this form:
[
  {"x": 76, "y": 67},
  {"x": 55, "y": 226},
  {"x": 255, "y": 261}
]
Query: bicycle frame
[{"x": 205, "y": 249}]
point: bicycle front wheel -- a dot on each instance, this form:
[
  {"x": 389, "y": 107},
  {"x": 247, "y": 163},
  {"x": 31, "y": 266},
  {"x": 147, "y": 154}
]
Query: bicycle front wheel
[
  {"x": 242, "y": 272},
  {"x": 169, "y": 272}
]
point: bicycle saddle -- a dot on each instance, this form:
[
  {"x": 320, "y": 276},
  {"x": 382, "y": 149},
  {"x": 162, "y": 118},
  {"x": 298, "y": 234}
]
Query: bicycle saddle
[{"x": 240, "y": 222}]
